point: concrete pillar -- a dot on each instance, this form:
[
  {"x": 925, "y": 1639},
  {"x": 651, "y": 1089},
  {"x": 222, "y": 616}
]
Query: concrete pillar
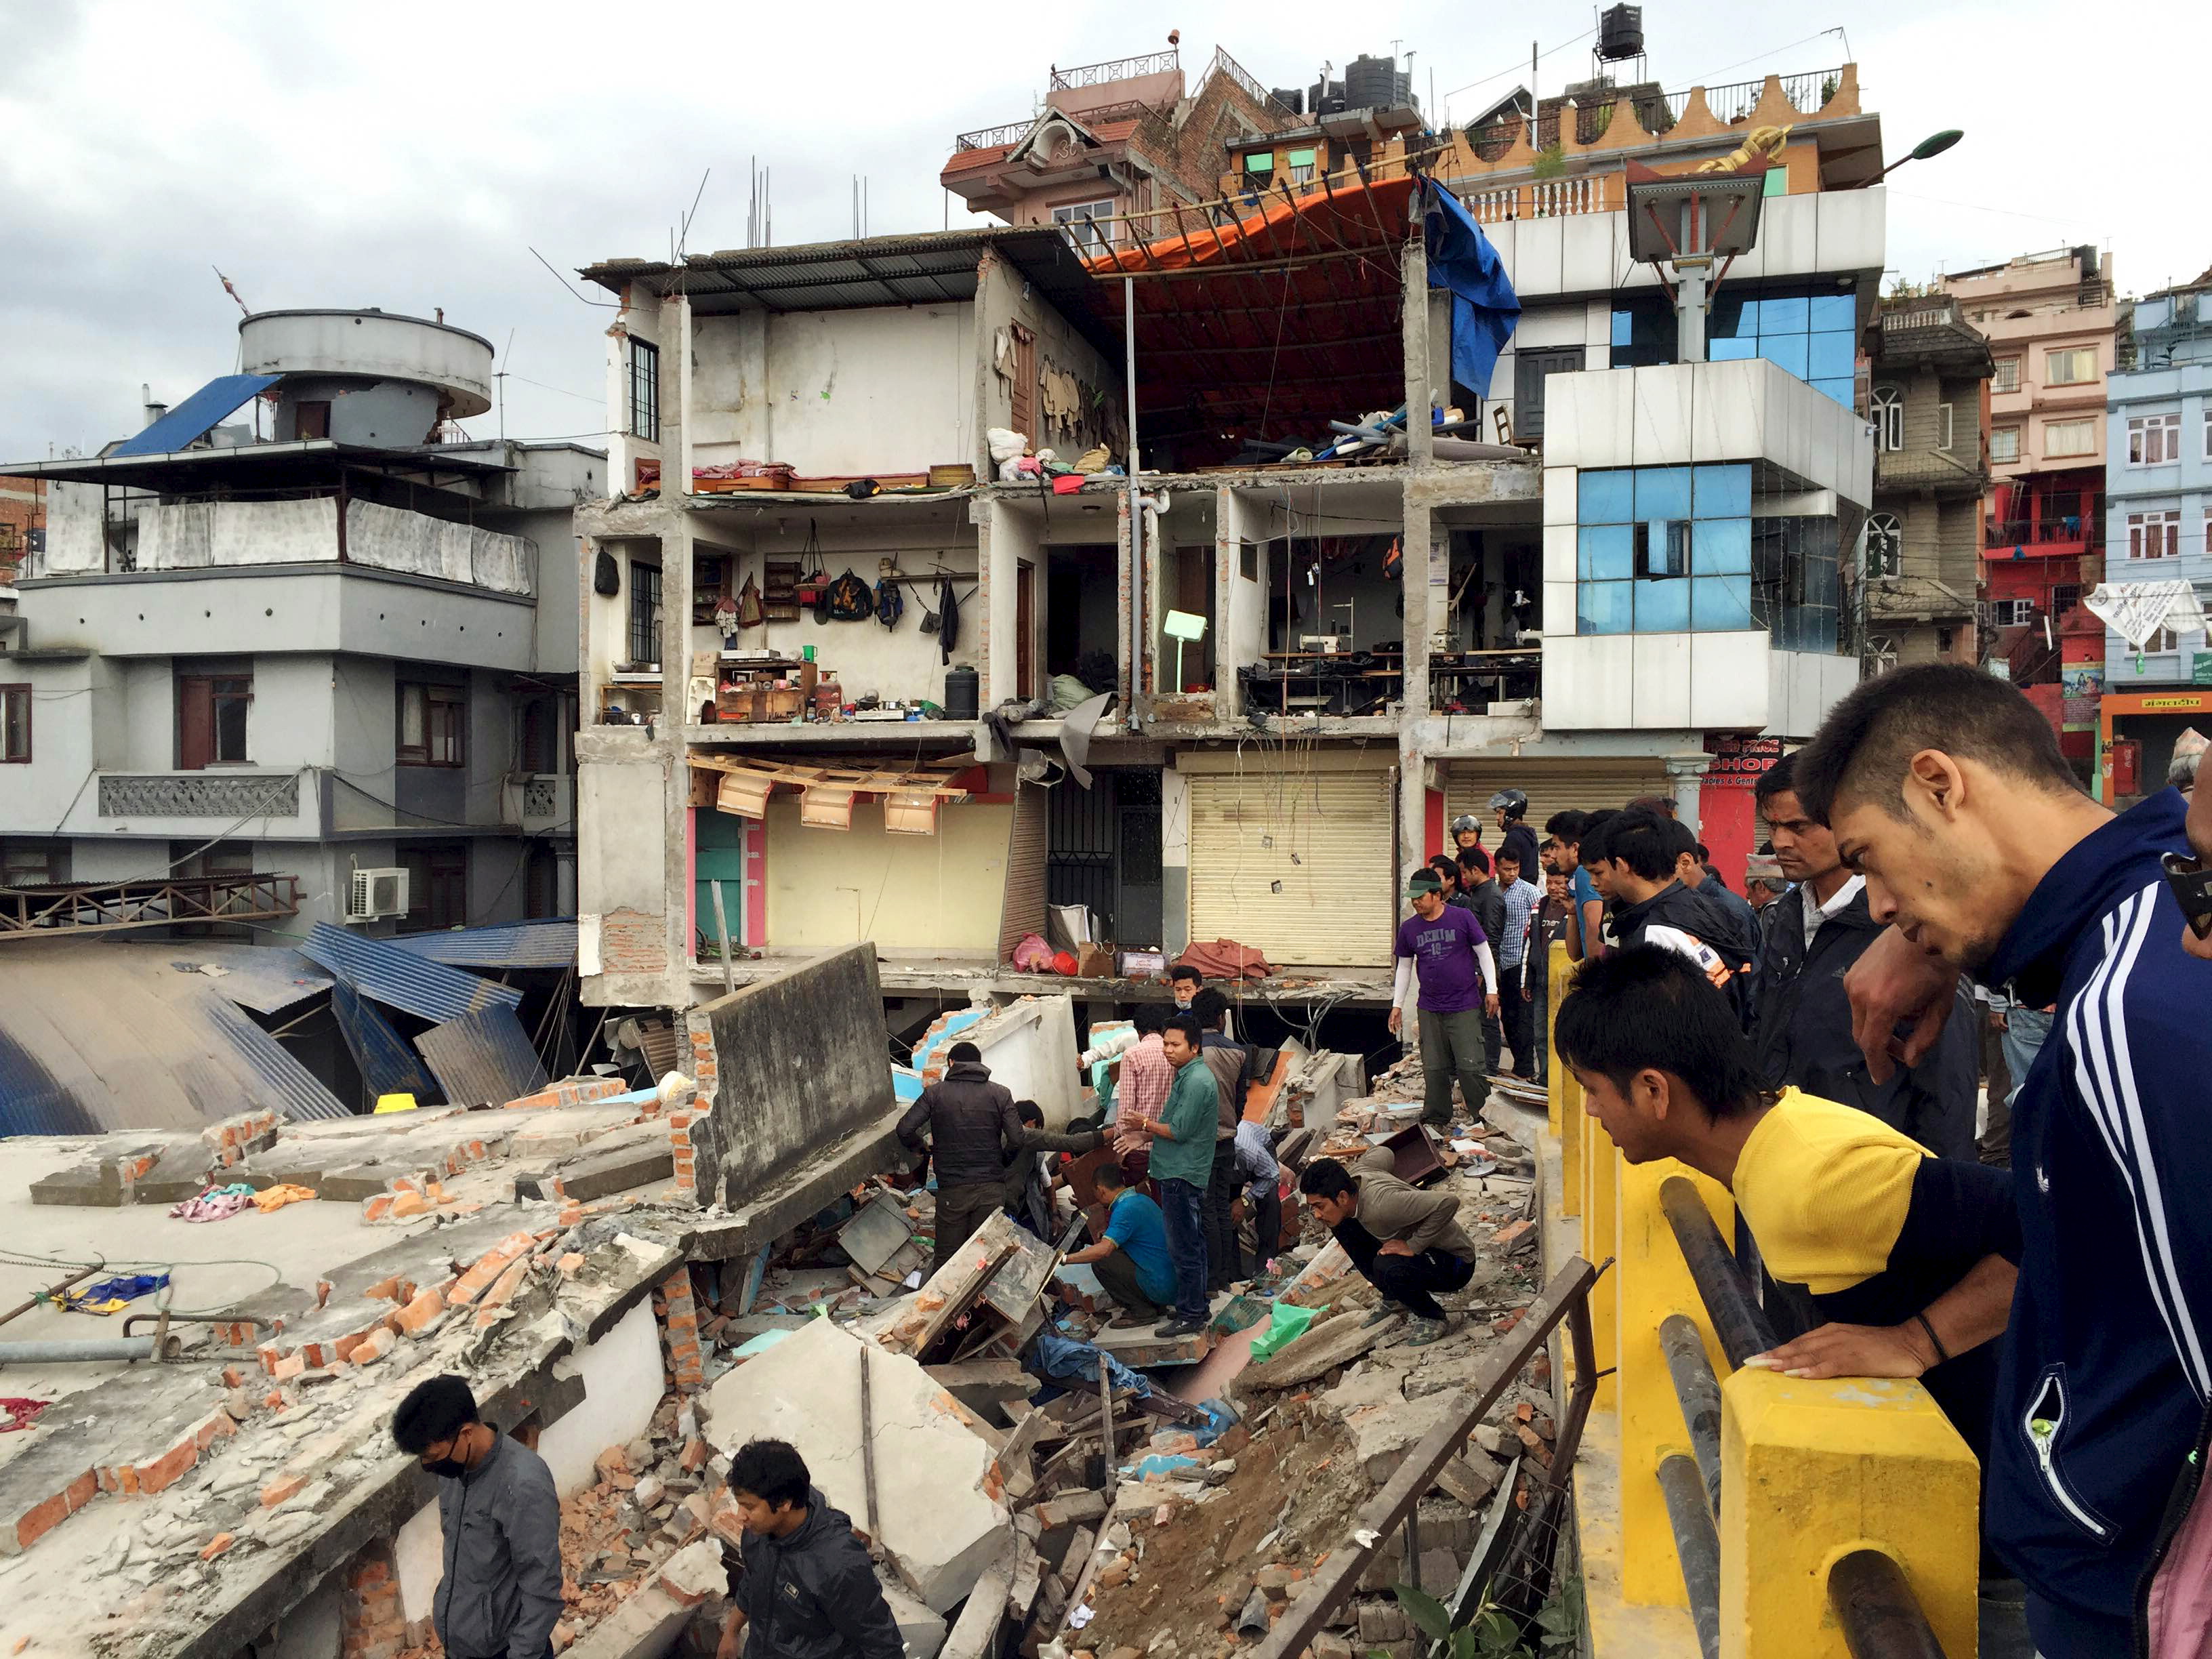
[
  {"x": 1685, "y": 775},
  {"x": 675, "y": 560}
]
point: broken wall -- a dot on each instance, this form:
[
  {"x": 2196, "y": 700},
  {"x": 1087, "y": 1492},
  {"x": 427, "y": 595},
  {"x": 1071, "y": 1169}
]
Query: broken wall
[{"x": 803, "y": 1061}]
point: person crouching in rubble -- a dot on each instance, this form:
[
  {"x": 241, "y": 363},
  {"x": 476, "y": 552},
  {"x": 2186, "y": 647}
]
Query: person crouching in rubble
[
  {"x": 1912, "y": 1255},
  {"x": 803, "y": 1584},
  {"x": 1407, "y": 1242},
  {"x": 498, "y": 1595},
  {"x": 1132, "y": 1260}
]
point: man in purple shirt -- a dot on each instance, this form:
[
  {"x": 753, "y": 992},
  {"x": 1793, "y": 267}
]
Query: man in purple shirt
[{"x": 1450, "y": 948}]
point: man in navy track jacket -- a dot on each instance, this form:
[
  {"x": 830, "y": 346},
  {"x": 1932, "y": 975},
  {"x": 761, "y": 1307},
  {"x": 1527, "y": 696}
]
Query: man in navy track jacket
[{"x": 1946, "y": 788}]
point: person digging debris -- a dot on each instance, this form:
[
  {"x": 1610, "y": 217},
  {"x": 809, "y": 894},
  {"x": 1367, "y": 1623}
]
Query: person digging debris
[
  {"x": 974, "y": 1134},
  {"x": 803, "y": 1587},
  {"x": 1408, "y": 1243},
  {"x": 1132, "y": 1261}
]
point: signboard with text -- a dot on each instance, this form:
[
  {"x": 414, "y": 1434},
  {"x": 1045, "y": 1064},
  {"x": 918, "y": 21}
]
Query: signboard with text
[{"x": 1738, "y": 762}]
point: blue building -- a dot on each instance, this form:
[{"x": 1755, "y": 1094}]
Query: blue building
[{"x": 2158, "y": 523}]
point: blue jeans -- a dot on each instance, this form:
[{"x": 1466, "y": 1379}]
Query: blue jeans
[
  {"x": 2026, "y": 1029},
  {"x": 2060, "y": 1632},
  {"x": 1182, "y": 1207}
]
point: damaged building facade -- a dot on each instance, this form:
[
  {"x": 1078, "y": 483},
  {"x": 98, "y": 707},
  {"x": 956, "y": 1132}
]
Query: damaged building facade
[{"x": 1632, "y": 554}]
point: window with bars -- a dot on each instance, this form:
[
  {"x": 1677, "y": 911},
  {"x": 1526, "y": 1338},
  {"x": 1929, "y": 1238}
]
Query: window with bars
[
  {"x": 2008, "y": 375},
  {"x": 645, "y": 391},
  {"x": 2004, "y": 444},
  {"x": 14, "y": 723},
  {"x": 2154, "y": 439},
  {"x": 644, "y": 612}
]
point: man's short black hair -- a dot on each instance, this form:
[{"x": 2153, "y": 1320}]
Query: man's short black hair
[
  {"x": 1184, "y": 971},
  {"x": 1476, "y": 859},
  {"x": 1595, "y": 826},
  {"x": 772, "y": 1471},
  {"x": 1661, "y": 806},
  {"x": 1779, "y": 779},
  {"x": 1648, "y": 1006},
  {"x": 1188, "y": 1025},
  {"x": 1210, "y": 1008},
  {"x": 1446, "y": 865},
  {"x": 1109, "y": 1173},
  {"x": 1029, "y": 1113},
  {"x": 1149, "y": 1016},
  {"x": 1507, "y": 855},
  {"x": 960, "y": 1051},
  {"x": 435, "y": 1411},
  {"x": 1565, "y": 827},
  {"x": 1863, "y": 748},
  {"x": 1644, "y": 841},
  {"x": 1326, "y": 1178}
]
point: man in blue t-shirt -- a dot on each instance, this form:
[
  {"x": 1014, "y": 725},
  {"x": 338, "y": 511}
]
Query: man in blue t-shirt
[
  {"x": 1451, "y": 950},
  {"x": 1132, "y": 1261},
  {"x": 1564, "y": 857}
]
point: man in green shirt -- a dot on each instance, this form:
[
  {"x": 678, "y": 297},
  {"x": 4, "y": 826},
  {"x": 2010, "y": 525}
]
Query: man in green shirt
[{"x": 1182, "y": 1162}]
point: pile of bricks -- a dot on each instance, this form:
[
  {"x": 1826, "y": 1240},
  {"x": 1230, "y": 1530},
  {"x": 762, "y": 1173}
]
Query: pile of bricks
[
  {"x": 234, "y": 1137},
  {"x": 422, "y": 1192},
  {"x": 372, "y": 1624},
  {"x": 571, "y": 1091},
  {"x": 678, "y": 1312}
]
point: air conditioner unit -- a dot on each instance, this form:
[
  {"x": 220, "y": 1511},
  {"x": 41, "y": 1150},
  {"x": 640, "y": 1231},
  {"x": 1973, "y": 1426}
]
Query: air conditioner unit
[{"x": 377, "y": 894}]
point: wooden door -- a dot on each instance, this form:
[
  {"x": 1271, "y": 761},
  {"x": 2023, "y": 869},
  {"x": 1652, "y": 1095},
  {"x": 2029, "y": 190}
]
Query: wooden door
[{"x": 1024, "y": 387}]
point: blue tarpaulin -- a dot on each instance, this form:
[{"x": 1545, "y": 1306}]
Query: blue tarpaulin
[
  {"x": 1485, "y": 308},
  {"x": 190, "y": 420}
]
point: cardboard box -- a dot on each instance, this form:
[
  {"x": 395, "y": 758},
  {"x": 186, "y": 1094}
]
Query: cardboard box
[
  {"x": 1094, "y": 961},
  {"x": 1142, "y": 964}
]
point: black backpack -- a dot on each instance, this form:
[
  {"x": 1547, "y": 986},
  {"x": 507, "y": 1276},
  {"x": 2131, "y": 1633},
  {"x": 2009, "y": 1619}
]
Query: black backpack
[{"x": 851, "y": 599}]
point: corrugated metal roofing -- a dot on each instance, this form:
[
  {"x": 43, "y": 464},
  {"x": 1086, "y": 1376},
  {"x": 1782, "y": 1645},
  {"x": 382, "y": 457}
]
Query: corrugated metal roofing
[
  {"x": 389, "y": 1066},
  {"x": 377, "y": 967},
  {"x": 482, "y": 1059},
  {"x": 190, "y": 421},
  {"x": 550, "y": 943},
  {"x": 266, "y": 978},
  {"x": 93, "y": 1038}
]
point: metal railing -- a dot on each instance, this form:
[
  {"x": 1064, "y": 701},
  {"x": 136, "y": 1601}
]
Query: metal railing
[
  {"x": 1121, "y": 69},
  {"x": 154, "y": 902},
  {"x": 1007, "y": 132},
  {"x": 2089, "y": 531},
  {"x": 1544, "y": 199},
  {"x": 1223, "y": 64}
]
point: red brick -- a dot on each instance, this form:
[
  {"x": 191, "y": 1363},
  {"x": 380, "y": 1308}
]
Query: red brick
[
  {"x": 233, "y": 1377},
  {"x": 291, "y": 1365},
  {"x": 420, "y": 1315},
  {"x": 167, "y": 1470},
  {"x": 410, "y": 1204},
  {"x": 277, "y": 1491},
  {"x": 375, "y": 1209},
  {"x": 374, "y": 1346},
  {"x": 385, "y": 1290},
  {"x": 216, "y": 1546},
  {"x": 42, "y": 1519},
  {"x": 571, "y": 1264}
]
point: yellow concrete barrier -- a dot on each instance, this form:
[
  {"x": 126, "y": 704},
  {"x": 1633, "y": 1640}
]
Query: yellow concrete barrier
[
  {"x": 1811, "y": 1471},
  {"x": 1652, "y": 1280},
  {"x": 1600, "y": 1185},
  {"x": 1564, "y": 1096}
]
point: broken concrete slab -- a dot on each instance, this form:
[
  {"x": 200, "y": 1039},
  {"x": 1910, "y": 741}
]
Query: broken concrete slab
[
  {"x": 649, "y": 1623},
  {"x": 938, "y": 1484},
  {"x": 877, "y": 1232},
  {"x": 1331, "y": 1343},
  {"x": 1382, "y": 1435},
  {"x": 636, "y": 1156},
  {"x": 1372, "y": 1385},
  {"x": 922, "y": 1631}
]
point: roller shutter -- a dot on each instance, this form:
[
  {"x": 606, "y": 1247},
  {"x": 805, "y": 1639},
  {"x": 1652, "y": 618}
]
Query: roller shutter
[
  {"x": 1552, "y": 785},
  {"x": 1296, "y": 865},
  {"x": 1023, "y": 908}
]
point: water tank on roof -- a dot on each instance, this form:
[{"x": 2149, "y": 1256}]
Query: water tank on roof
[
  {"x": 370, "y": 377},
  {"x": 1620, "y": 33},
  {"x": 1326, "y": 98},
  {"x": 1371, "y": 82},
  {"x": 1289, "y": 98}
]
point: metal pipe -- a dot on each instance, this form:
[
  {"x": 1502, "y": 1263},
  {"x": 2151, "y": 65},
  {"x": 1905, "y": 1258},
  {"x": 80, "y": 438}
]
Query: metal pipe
[
  {"x": 1699, "y": 1392},
  {"x": 69, "y": 1350},
  {"x": 1698, "y": 1547},
  {"x": 1136, "y": 508},
  {"x": 1880, "y": 1615},
  {"x": 1737, "y": 1318}
]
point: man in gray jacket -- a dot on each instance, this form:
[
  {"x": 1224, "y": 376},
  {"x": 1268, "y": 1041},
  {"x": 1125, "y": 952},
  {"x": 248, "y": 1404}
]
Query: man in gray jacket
[
  {"x": 500, "y": 1595},
  {"x": 1407, "y": 1242},
  {"x": 974, "y": 1134}
]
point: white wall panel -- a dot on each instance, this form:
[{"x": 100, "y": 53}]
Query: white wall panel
[
  {"x": 1728, "y": 412},
  {"x": 1789, "y": 233},
  {"x": 1663, "y": 414},
  {"x": 1588, "y": 681},
  {"x": 1661, "y": 698},
  {"x": 1536, "y": 257},
  {"x": 1558, "y": 608},
  {"x": 1586, "y": 263},
  {"x": 1558, "y": 553},
  {"x": 1728, "y": 680},
  {"x": 1559, "y": 495},
  {"x": 1850, "y": 228}
]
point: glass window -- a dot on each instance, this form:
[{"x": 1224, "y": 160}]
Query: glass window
[
  {"x": 1888, "y": 419},
  {"x": 1721, "y": 492},
  {"x": 2008, "y": 375},
  {"x": 1663, "y": 548},
  {"x": 1719, "y": 603},
  {"x": 1724, "y": 547},
  {"x": 1606, "y": 496},
  {"x": 1603, "y": 608},
  {"x": 1834, "y": 311},
  {"x": 2070, "y": 438},
  {"x": 1790, "y": 352},
  {"x": 1831, "y": 354},
  {"x": 1840, "y": 390},
  {"x": 1732, "y": 318},
  {"x": 645, "y": 391},
  {"x": 1662, "y": 492},
  {"x": 1663, "y": 607},
  {"x": 2004, "y": 444},
  {"x": 1787, "y": 314},
  {"x": 1730, "y": 350},
  {"x": 1605, "y": 553},
  {"x": 14, "y": 722},
  {"x": 2076, "y": 366}
]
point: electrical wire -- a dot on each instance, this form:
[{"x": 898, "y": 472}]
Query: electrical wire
[{"x": 101, "y": 1264}]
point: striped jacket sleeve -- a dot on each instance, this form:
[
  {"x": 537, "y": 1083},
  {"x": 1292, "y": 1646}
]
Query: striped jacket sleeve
[{"x": 2135, "y": 1044}]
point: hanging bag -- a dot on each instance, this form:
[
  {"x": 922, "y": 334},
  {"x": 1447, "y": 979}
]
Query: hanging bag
[{"x": 750, "y": 613}]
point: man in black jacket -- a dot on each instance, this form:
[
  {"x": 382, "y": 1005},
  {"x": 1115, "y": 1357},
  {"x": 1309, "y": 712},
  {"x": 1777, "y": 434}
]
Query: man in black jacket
[
  {"x": 1804, "y": 1033},
  {"x": 974, "y": 1134},
  {"x": 803, "y": 1587},
  {"x": 1026, "y": 1192},
  {"x": 1651, "y": 906},
  {"x": 1480, "y": 893}
]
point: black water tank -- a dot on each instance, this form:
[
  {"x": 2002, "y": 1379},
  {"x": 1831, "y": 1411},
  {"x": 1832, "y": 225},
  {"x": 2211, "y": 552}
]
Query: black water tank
[
  {"x": 962, "y": 693},
  {"x": 1326, "y": 98},
  {"x": 1620, "y": 33},
  {"x": 1371, "y": 82},
  {"x": 1289, "y": 98}
]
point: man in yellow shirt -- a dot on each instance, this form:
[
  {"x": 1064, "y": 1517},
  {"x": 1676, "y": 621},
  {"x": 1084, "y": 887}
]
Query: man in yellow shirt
[{"x": 1907, "y": 1254}]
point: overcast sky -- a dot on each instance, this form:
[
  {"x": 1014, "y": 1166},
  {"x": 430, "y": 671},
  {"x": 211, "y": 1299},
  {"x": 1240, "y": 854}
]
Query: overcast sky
[{"x": 410, "y": 157}]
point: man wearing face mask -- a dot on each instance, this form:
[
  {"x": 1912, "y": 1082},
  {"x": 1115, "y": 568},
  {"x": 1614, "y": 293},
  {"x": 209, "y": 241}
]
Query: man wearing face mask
[{"x": 499, "y": 1595}]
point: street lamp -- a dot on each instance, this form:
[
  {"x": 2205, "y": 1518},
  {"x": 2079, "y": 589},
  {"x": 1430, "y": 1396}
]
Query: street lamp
[{"x": 1934, "y": 144}]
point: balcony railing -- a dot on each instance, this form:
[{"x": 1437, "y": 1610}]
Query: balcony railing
[
  {"x": 1939, "y": 311},
  {"x": 1009, "y": 132},
  {"x": 1928, "y": 469},
  {"x": 1545, "y": 198},
  {"x": 1223, "y": 64},
  {"x": 1807, "y": 94},
  {"x": 2085, "y": 533},
  {"x": 1121, "y": 69},
  {"x": 199, "y": 795}
]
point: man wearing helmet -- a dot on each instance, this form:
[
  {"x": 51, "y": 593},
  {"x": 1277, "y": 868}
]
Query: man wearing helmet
[
  {"x": 1511, "y": 806},
  {"x": 1466, "y": 832}
]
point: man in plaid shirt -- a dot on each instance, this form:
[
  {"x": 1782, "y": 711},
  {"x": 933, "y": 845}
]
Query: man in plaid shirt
[{"x": 1141, "y": 1090}]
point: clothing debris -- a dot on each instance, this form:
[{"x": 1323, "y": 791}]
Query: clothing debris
[
  {"x": 276, "y": 1197},
  {"x": 111, "y": 1296},
  {"x": 16, "y": 1412},
  {"x": 216, "y": 1204}
]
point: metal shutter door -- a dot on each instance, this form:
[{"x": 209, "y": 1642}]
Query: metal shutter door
[
  {"x": 1024, "y": 907},
  {"x": 1322, "y": 894},
  {"x": 1552, "y": 787}
]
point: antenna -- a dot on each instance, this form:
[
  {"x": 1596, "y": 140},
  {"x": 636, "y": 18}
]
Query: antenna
[
  {"x": 684, "y": 239},
  {"x": 606, "y": 304},
  {"x": 499, "y": 379}
]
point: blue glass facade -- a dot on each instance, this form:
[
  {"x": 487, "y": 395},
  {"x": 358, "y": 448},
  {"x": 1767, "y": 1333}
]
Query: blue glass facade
[
  {"x": 1811, "y": 332},
  {"x": 1674, "y": 550}
]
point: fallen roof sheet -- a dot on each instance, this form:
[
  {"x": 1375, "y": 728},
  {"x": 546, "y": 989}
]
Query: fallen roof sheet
[
  {"x": 388, "y": 1064},
  {"x": 550, "y": 944},
  {"x": 93, "y": 1038},
  {"x": 379, "y": 969},
  {"x": 266, "y": 978},
  {"x": 482, "y": 1059},
  {"x": 190, "y": 421}
]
